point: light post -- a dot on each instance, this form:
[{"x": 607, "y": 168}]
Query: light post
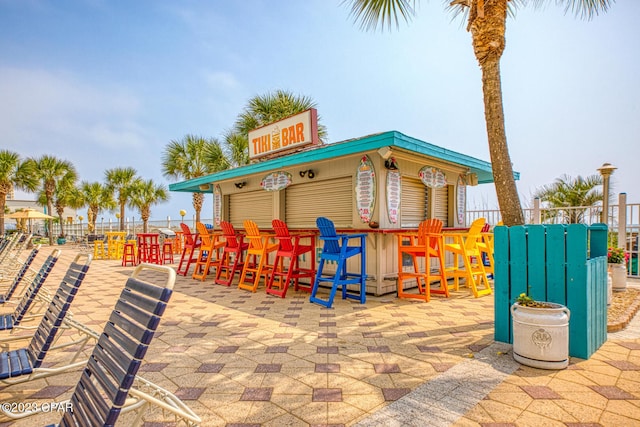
[
  {"x": 182, "y": 214},
  {"x": 118, "y": 218},
  {"x": 605, "y": 170}
]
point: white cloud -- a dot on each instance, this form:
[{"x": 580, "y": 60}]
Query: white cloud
[{"x": 40, "y": 108}]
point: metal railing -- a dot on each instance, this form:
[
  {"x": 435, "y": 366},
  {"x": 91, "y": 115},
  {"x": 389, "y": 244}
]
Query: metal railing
[{"x": 623, "y": 219}]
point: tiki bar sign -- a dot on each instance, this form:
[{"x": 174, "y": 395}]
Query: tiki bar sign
[{"x": 287, "y": 134}]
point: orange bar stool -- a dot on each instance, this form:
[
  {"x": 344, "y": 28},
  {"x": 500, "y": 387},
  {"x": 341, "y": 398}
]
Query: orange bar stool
[
  {"x": 191, "y": 245},
  {"x": 167, "y": 252},
  {"x": 259, "y": 248},
  {"x": 420, "y": 248},
  {"x": 129, "y": 254},
  {"x": 232, "y": 259},
  {"x": 210, "y": 249},
  {"x": 290, "y": 248}
]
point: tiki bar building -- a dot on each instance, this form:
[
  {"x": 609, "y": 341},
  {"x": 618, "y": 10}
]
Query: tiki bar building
[{"x": 379, "y": 184}]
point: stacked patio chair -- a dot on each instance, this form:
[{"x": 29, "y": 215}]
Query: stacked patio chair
[
  {"x": 10, "y": 260},
  {"x": 10, "y": 321},
  {"x": 109, "y": 385},
  {"x": 25, "y": 364},
  {"x": 17, "y": 279},
  {"x": 337, "y": 249}
]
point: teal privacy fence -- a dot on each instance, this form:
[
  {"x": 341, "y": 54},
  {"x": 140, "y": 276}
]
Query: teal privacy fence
[{"x": 565, "y": 264}]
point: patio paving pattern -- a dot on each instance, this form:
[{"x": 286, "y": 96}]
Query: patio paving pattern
[{"x": 247, "y": 359}]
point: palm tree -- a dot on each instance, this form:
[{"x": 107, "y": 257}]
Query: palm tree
[
  {"x": 121, "y": 181},
  {"x": 50, "y": 171},
  {"x": 486, "y": 20},
  {"x": 14, "y": 173},
  {"x": 145, "y": 194},
  {"x": 262, "y": 110},
  {"x": 573, "y": 193},
  {"x": 96, "y": 197},
  {"x": 66, "y": 194},
  {"x": 193, "y": 157}
]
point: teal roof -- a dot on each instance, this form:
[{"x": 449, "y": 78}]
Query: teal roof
[{"x": 391, "y": 139}]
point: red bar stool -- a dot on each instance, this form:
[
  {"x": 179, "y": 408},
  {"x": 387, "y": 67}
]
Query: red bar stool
[
  {"x": 153, "y": 255},
  {"x": 167, "y": 252},
  {"x": 129, "y": 254},
  {"x": 232, "y": 259},
  {"x": 291, "y": 248}
]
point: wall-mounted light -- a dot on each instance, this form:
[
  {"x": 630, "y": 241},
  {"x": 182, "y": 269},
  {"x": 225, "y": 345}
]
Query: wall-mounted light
[
  {"x": 309, "y": 173},
  {"x": 385, "y": 152},
  {"x": 203, "y": 187},
  {"x": 240, "y": 184},
  {"x": 391, "y": 164}
]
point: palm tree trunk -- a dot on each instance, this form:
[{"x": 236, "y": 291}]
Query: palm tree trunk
[
  {"x": 3, "y": 201},
  {"x": 197, "y": 205},
  {"x": 506, "y": 190},
  {"x": 487, "y": 22}
]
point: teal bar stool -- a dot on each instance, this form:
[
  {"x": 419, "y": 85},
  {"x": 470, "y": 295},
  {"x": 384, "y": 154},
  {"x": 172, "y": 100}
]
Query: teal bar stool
[{"x": 337, "y": 248}]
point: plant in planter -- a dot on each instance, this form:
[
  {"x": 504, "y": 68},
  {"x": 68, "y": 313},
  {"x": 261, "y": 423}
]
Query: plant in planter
[
  {"x": 540, "y": 333},
  {"x": 617, "y": 259},
  {"x": 61, "y": 239}
]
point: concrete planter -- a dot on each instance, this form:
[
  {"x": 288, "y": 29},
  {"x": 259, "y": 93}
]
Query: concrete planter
[
  {"x": 541, "y": 335},
  {"x": 618, "y": 277}
]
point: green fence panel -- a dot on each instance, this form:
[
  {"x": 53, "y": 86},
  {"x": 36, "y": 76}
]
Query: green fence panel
[{"x": 565, "y": 264}]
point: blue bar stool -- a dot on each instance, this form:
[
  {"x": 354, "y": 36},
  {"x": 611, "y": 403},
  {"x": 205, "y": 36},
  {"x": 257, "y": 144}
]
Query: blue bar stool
[{"x": 337, "y": 249}]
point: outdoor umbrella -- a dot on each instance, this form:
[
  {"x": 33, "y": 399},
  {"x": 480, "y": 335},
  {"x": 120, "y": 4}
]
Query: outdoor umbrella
[{"x": 29, "y": 214}]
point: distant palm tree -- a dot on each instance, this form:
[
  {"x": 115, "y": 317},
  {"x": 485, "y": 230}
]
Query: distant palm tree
[
  {"x": 144, "y": 195},
  {"x": 14, "y": 174},
  {"x": 568, "y": 192},
  {"x": 66, "y": 194},
  {"x": 96, "y": 197},
  {"x": 262, "y": 110},
  {"x": 121, "y": 181},
  {"x": 193, "y": 157},
  {"x": 50, "y": 171},
  {"x": 486, "y": 21}
]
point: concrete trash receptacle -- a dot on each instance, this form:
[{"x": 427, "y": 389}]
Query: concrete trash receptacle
[{"x": 541, "y": 335}]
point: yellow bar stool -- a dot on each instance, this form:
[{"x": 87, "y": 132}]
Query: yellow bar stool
[{"x": 98, "y": 249}]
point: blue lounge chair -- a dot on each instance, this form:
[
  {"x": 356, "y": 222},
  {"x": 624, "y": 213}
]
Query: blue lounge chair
[
  {"x": 109, "y": 385},
  {"x": 19, "y": 275},
  {"x": 337, "y": 249},
  {"x": 25, "y": 364},
  {"x": 11, "y": 320}
]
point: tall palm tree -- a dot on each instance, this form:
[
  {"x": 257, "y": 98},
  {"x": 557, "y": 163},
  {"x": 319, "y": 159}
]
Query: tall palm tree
[
  {"x": 121, "y": 181},
  {"x": 262, "y": 110},
  {"x": 144, "y": 195},
  {"x": 50, "y": 171},
  {"x": 486, "y": 21},
  {"x": 14, "y": 174},
  {"x": 568, "y": 192},
  {"x": 96, "y": 197},
  {"x": 192, "y": 157},
  {"x": 66, "y": 194}
]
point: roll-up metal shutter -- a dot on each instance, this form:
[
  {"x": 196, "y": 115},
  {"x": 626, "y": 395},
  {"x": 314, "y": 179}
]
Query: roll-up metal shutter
[
  {"x": 441, "y": 204},
  {"x": 255, "y": 205},
  {"x": 413, "y": 202},
  {"x": 330, "y": 198}
]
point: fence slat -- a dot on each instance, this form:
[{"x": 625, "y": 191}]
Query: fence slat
[
  {"x": 556, "y": 264},
  {"x": 502, "y": 316},
  {"x": 536, "y": 262}
]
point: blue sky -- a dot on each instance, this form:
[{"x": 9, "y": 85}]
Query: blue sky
[{"x": 108, "y": 83}]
